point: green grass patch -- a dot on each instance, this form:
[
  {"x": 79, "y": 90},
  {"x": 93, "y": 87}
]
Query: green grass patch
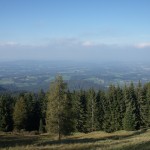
[{"x": 121, "y": 140}]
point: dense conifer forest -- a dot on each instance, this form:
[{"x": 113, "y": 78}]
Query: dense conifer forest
[{"x": 63, "y": 112}]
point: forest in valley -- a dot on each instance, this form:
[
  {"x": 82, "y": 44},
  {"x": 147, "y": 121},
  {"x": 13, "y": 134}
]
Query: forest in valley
[{"x": 63, "y": 112}]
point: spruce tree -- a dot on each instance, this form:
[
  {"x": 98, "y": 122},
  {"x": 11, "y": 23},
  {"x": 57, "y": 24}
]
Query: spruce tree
[
  {"x": 112, "y": 109},
  {"x": 132, "y": 113},
  {"x": 79, "y": 111},
  {"x": 129, "y": 119},
  {"x": 33, "y": 112},
  {"x": 121, "y": 107},
  {"x": 107, "y": 126},
  {"x": 83, "y": 100},
  {"x": 20, "y": 114},
  {"x": 147, "y": 87},
  {"x": 100, "y": 99},
  {"x": 6, "y": 110},
  {"x": 42, "y": 100},
  {"x": 91, "y": 105},
  {"x": 142, "y": 105}
]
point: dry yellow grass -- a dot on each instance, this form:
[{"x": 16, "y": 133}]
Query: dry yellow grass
[{"x": 121, "y": 140}]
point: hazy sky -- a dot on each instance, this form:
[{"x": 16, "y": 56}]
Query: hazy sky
[{"x": 90, "y": 30}]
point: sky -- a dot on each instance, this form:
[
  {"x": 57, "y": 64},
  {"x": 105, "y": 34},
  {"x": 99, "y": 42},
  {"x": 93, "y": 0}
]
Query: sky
[{"x": 81, "y": 30}]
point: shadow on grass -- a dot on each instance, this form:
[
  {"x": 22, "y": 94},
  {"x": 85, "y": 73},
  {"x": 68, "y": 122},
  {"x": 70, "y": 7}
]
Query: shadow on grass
[
  {"x": 89, "y": 140},
  {"x": 19, "y": 140},
  {"x": 140, "y": 146},
  {"x": 12, "y": 141}
]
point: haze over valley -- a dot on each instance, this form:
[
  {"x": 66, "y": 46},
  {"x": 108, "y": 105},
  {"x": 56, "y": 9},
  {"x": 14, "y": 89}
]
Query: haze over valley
[{"x": 37, "y": 75}]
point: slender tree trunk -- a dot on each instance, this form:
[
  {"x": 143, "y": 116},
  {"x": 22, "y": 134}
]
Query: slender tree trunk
[
  {"x": 59, "y": 134},
  {"x": 58, "y": 127}
]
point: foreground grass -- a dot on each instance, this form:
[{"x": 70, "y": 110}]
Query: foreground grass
[{"x": 121, "y": 140}]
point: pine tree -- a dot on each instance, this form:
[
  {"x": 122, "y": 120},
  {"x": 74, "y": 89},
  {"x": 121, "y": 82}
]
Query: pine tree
[
  {"x": 57, "y": 101},
  {"x": 69, "y": 116}
]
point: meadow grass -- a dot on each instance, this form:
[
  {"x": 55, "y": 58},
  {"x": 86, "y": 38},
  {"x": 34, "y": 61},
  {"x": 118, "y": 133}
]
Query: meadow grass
[{"x": 121, "y": 140}]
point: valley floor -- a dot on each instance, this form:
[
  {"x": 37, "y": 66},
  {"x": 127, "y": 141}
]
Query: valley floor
[{"x": 121, "y": 140}]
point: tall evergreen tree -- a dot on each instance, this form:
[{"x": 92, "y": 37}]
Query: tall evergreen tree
[
  {"x": 121, "y": 107},
  {"x": 142, "y": 105},
  {"x": 147, "y": 89},
  {"x": 78, "y": 98},
  {"x": 69, "y": 116},
  {"x": 111, "y": 115},
  {"x": 107, "y": 124},
  {"x": 131, "y": 109},
  {"x": 100, "y": 100},
  {"x": 33, "y": 112},
  {"x": 91, "y": 120},
  {"x": 129, "y": 119},
  {"x": 83, "y": 102},
  {"x": 57, "y": 101},
  {"x": 6, "y": 110},
  {"x": 42, "y": 100},
  {"x": 20, "y": 114}
]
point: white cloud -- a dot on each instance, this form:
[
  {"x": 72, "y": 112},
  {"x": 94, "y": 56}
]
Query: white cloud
[
  {"x": 88, "y": 44},
  {"x": 8, "y": 43},
  {"x": 73, "y": 49},
  {"x": 143, "y": 45}
]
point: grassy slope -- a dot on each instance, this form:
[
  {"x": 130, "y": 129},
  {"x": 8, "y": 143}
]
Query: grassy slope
[{"x": 122, "y": 140}]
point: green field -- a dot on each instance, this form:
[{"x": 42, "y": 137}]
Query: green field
[
  {"x": 121, "y": 140},
  {"x": 95, "y": 80},
  {"x": 6, "y": 81}
]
